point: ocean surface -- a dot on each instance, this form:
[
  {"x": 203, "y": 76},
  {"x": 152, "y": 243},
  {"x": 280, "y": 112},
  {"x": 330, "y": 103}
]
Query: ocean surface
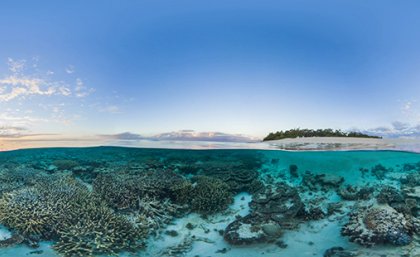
[{"x": 119, "y": 201}]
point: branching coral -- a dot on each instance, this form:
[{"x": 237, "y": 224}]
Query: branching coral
[
  {"x": 153, "y": 214},
  {"x": 123, "y": 190},
  {"x": 16, "y": 177},
  {"x": 210, "y": 195},
  {"x": 62, "y": 208},
  {"x": 99, "y": 231},
  {"x": 37, "y": 210}
]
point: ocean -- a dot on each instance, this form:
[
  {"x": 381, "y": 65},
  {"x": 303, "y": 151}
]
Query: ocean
[{"x": 120, "y": 201}]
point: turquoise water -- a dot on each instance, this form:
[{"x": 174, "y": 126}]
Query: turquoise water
[{"x": 156, "y": 202}]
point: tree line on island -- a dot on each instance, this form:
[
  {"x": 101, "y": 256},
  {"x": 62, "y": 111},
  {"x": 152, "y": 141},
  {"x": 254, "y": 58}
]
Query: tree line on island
[{"x": 294, "y": 133}]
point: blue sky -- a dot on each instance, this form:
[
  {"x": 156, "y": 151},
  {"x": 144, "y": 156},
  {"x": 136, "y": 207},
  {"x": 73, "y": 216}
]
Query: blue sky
[{"x": 239, "y": 67}]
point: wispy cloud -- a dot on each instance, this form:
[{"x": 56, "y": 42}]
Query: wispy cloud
[
  {"x": 113, "y": 109},
  {"x": 81, "y": 90},
  {"x": 70, "y": 69},
  {"x": 16, "y": 66},
  {"x": 11, "y": 131},
  {"x": 124, "y": 136},
  {"x": 24, "y": 81},
  {"x": 7, "y": 132},
  {"x": 16, "y": 86}
]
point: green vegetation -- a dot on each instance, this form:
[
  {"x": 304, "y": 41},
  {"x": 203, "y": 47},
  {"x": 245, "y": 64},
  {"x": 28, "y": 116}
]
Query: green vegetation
[{"x": 294, "y": 133}]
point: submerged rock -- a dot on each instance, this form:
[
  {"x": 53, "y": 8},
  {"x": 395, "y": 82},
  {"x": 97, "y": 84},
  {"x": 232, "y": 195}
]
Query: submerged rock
[
  {"x": 251, "y": 229},
  {"x": 378, "y": 225},
  {"x": 338, "y": 251},
  {"x": 277, "y": 202}
]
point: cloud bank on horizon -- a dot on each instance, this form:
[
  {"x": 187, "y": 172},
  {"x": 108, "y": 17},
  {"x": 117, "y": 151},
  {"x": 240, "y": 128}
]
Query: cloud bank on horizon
[
  {"x": 154, "y": 67},
  {"x": 185, "y": 135}
]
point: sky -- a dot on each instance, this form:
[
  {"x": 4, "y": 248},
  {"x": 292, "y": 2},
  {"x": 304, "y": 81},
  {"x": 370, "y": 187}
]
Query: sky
[{"x": 149, "y": 68}]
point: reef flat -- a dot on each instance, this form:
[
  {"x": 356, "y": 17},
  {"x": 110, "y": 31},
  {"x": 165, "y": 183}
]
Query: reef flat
[{"x": 116, "y": 201}]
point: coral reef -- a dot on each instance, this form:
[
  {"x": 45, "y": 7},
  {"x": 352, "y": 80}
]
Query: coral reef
[
  {"x": 62, "y": 208},
  {"x": 272, "y": 211},
  {"x": 402, "y": 202},
  {"x": 321, "y": 182},
  {"x": 251, "y": 229},
  {"x": 154, "y": 214},
  {"x": 65, "y": 164},
  {"x": 239, "y": 179},
  {"x": 98, "y": 230},
  {"x": 378, "y": 225},
  {"x": 210, "y": 195},
  {"x": 293, "y": 170},
  {"x": 379, "y": 171},
  {"x": 277, "y": 202},
  {"x": 123, "y": 190},
  {"x": 412, "y": 179},
  {"x": 38, "y": 210},
  {"x": 353, "y": 193},
  {"x": 15, "y": 177}
]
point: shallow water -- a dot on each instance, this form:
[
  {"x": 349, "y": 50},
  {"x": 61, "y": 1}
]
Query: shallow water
[{"x": 157, "y": 202}]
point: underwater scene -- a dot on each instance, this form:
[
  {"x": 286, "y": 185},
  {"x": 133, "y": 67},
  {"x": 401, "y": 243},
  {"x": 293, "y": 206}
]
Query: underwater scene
[{"x": 118, "y": 201}]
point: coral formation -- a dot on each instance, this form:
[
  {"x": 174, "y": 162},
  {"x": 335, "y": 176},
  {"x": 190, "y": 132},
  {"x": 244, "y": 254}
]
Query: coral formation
[
  {"x": 62, "y": 208},
  {"x": 251, "y": 229},
  {"x": 412, "y": 179},
  {"x": 321, "y": 182},
  {"x": 154, "y": 214},
  {"x": 65, "y": 164},
  {"x": 377, "y": 225},
  {"x": 293, "y": 170},
  {"x": 277, "y": 202},
  {"x": 210, "y": 195},
  {"x": 352, "y": 193},
  {"x": 16, "y": 177},
  {"x": 124, "y": 190},
  {"x": 238, "y": 179},
  {"x": 379, "y": 171},
  {"x": 37, "y": 210},
  {"x": 98, "y": 230}
]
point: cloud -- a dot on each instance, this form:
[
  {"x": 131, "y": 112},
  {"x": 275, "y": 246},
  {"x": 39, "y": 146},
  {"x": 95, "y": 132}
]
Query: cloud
[
  {"x": 185, "y": 135},
  {"x": 191, "y": 135},
  {"x": 24, "y": 80},
  {"x": 18, "y": 121},
  {"x": 81, "y": 90},
  {"x": 69, "y": 69},
  {"x": 397, "y": 129},
  {"x": 124, "y": 136},
  {"x": 16, "y": 132},
  {"x": 16, "y": 66},
  {"x": 19, "y": 86},
  {"x": 111, "y": 109},
  {"x": 11, "y": 131}
]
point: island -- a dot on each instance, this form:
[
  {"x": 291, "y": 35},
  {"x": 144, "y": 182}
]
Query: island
[{"x": 297, "y": 133}]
